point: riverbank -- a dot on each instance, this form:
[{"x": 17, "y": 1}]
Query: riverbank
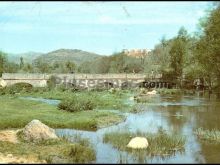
[
  {"x": 16, "y": 113},
  {"x": 46, "y": 151}
]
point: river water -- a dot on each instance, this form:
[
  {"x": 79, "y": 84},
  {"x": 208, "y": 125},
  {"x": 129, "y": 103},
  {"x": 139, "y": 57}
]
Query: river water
[{"x": 178, "y": 114}]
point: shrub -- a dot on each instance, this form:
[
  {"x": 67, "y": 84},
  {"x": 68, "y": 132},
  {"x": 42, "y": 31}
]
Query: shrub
[
  {"x": 51, "y": 82},
  {"x": 77, "y": 104},
  {"x": 208, "y": 135},
  {"x": 81, "y": 154},
  {"x": 40, "y": 89},
  {"x": 169, "y": 91},
  {"x": 16, "y": 88}
]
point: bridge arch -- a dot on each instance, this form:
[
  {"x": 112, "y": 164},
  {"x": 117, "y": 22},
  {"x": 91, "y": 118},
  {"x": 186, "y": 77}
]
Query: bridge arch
[{"x": 24, "y": 84}]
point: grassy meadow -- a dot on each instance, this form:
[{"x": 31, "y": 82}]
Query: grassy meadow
[{"x": 16, "y": 113}]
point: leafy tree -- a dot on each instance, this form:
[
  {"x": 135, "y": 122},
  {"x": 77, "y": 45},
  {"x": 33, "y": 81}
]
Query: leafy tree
[
  {"x": 42, "y": 67},
  {"x": 177, "y": 53},
  {"x": 159, "y": 58},
  {"x": 84, "y": 67},
  {"x": 71, "y": 66},
  {"x": 12, "y": 67},
  {"x": 28, "y": 68},
  {"x": 21, "y": 62},
  {"x": 208, "y": 46},
  {"x": 3, "y": 61}
]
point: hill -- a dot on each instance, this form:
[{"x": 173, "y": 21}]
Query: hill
[{"x": 63, "y": 55}]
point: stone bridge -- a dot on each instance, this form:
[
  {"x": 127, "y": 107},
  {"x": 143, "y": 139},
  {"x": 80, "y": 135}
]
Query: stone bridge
[{"x": 86, "y": 80}]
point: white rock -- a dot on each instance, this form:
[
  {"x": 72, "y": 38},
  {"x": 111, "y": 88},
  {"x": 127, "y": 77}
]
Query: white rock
[
  {"x": 10, "y": 155},
  {"x": 131, "y": 98},
  {"x": 36, "y": 131},
  {"x": 152, "y": 92},
  {"x": 138, "y": 143},
  {"x": 2, "y": 83}
]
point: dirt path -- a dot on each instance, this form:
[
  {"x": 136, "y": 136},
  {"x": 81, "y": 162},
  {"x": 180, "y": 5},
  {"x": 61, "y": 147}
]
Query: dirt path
[
  {"x": 9, "y": 136},
  {"x": 9, "y": 158}
]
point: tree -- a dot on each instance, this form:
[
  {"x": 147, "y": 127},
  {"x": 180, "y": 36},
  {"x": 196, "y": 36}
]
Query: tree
[
  {"x": 84, "y": 67},
  {"x": 11, "y": 67},
  {"x": 3, "y": 61},
  {"x": 71, "y": 66},
  {"x": 160, "y": 58},
  {"x": 208, "y": 46},
  {"x": 28, "y": 68},
  {"x": 21, "y": 62},
  {"x": 42, "y": 67},
  {"x": 177, "y": 53}
]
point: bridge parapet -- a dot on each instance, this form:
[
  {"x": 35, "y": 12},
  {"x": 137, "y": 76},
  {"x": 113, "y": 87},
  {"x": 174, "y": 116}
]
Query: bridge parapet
[
  {"x": 20, "y": 76},
  {"x": 40, "y": 80}
]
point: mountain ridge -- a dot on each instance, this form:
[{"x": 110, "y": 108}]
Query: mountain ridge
[{"x": 61, "y": 55}]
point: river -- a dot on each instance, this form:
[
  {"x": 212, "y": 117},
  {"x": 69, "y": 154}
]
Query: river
[{"x": 179, "y": 114}]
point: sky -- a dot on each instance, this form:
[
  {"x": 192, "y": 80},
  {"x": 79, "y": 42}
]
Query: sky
[{"x": 99, "y": 27}]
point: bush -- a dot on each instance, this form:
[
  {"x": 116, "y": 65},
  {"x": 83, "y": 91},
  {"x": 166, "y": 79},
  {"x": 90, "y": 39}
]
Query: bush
[
  {"x": 209, "y": 135},
  {"x": 40, "y": 89},
  {"x": 77, "y": 104},
  {"x": 17, "y": 88},
  {"x": 52, "y": 82},
  {"x": 81, "y": 154},
  {"x": 169, "y": 91}
]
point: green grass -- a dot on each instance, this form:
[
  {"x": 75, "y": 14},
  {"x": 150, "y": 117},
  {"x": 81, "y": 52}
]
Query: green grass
[
  {"x": 52, "y": 151},
  {"x": 16, "y": 113},
  {"x": 145, "y": 99},
  {"x": 103, "y": 99},
  {"x": 78, "y": 104},
  {"x": 160, "y": 144},
  {"x": 169, "y": 91},
  {"x": 208, "y": 135}
]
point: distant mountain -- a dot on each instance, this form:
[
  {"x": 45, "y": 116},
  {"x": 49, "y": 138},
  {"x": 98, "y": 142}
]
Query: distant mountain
[
  {"x": 28, "y": 57},
  {"x": 63, "y": 55}
]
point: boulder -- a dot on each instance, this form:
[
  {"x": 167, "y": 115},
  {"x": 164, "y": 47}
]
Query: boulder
[
  {"x": 138, "y": 143},
  {"x": 2, "y": 83},
  {"x": 37, "y": 131}
]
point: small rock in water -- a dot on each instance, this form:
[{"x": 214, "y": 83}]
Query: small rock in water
[
  {"x": 138, "y": 143},
  {"x": 131, "y": 98},
  {"x": 152, "y": 92}
]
